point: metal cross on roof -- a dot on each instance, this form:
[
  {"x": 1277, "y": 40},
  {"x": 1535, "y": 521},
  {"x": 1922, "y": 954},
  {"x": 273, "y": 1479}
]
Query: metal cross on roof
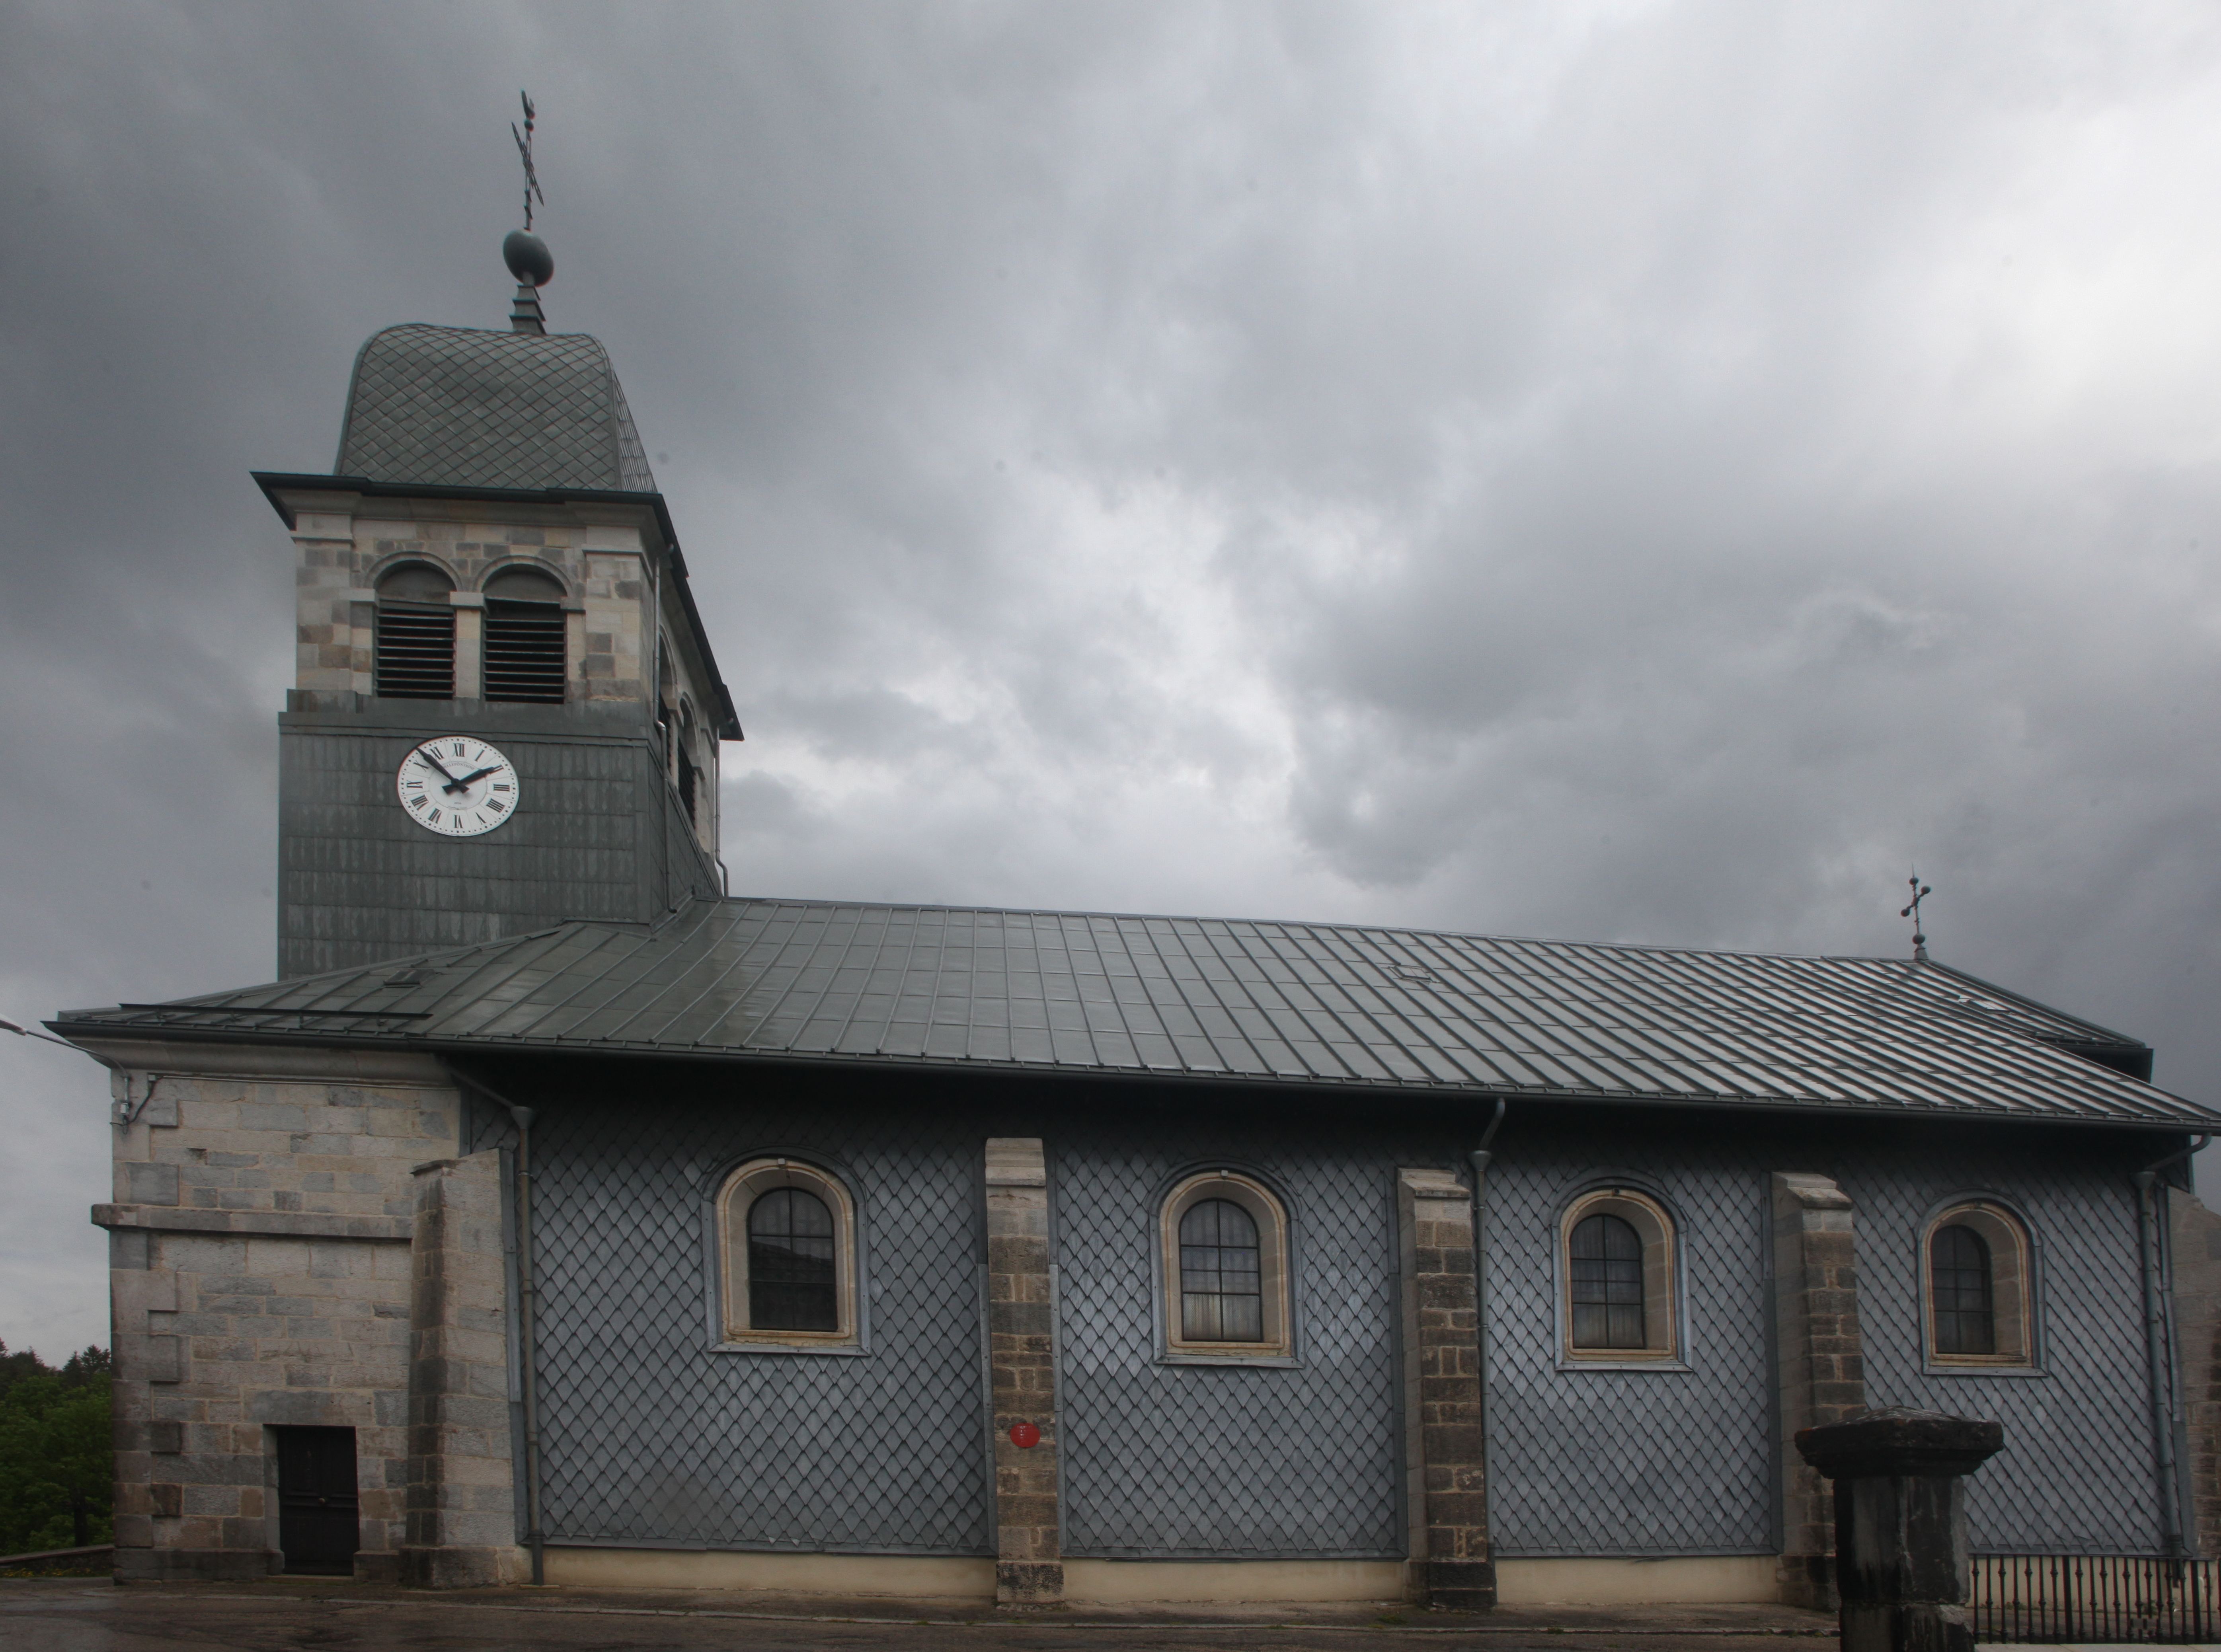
[
  {"x": 524, "y": 153},
  {"x": 1921, "y": 892}
]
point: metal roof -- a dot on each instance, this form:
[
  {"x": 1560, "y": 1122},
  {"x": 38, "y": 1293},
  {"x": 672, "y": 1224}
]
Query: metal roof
[
  {"x": 1308, "y": 1004},
  {"x": 466, "y": 407}
]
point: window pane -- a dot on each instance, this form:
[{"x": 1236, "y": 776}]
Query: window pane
[
  {"x": 1962, "y": 1286},
  {"x": 790, "y": 1260},
  {"x": 1606, "y": 1294},
  {"x": 1221, "y": 1293}
]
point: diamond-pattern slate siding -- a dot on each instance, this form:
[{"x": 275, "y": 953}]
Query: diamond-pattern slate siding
[
  {"x": 1228, "y": 1462},
  {"x": 650, "y": 1438},
  {"x": 1305, "y": 1004},
  {"x": 2076, "y": 1472},
  {"x": 465, "y": 407},
  {"x": 1629, "y": 1462}
]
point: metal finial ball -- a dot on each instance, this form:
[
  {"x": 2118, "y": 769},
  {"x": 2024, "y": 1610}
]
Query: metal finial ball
[{"x": 527, "y": 258}]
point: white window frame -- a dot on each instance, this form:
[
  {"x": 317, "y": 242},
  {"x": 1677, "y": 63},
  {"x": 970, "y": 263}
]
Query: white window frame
[
  {"x": 1662, "y": 1315},
  {"x": 1270, "y": 1213},
  {"x": 2012, "y": 1288},
  {"x": 736, "y": 1196}
]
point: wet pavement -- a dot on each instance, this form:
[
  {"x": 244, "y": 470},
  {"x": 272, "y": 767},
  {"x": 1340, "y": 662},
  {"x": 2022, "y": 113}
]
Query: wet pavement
[{"x": 331, "y": 1615}]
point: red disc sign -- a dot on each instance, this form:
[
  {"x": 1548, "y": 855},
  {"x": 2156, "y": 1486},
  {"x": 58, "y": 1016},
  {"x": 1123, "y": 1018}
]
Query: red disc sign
[{"x": 1024, "y": 1436}]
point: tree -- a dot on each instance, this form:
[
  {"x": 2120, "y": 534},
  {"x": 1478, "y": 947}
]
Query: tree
[{"x": 56, "y": 1457}]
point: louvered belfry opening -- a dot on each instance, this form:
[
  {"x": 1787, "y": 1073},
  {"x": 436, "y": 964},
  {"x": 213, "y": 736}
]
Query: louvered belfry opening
[
  {"x": 525, "y": 653},
  {"x": 414, "y": 655}
]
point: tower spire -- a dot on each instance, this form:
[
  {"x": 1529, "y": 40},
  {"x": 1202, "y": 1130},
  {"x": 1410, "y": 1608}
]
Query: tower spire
[{"x": 526, "y": 254}]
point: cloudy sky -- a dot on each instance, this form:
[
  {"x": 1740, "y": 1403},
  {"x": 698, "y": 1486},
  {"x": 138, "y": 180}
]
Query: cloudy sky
[{"x": 1638, "y": 471}]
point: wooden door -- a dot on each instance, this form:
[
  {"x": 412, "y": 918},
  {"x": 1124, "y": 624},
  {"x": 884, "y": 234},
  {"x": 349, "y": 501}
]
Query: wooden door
[{"x": 318, "y": 1524}]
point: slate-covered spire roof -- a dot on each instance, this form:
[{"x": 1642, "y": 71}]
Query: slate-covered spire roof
[
  {"x": 466, "y": 407},
  {"x": 1321, "y": 1006}
]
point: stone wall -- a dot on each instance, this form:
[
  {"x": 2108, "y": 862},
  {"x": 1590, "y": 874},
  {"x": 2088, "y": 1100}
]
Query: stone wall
[
  {"x": 461, "y": 1520},
  {"x": 601, "y": 567},
  {"x": 2194, "y": 1236},
  {"x": 1022, "y": 1359},
  {"x": 1445, "y": 1450},
  {"x": 1820, "y": 1364},
  {"x": 260, "y": 1240},
  {"x": 605, "y": 564}
]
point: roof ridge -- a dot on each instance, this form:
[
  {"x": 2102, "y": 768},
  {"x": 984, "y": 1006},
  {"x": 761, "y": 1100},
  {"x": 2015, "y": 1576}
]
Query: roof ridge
[{"x": 1324, "y": 924}]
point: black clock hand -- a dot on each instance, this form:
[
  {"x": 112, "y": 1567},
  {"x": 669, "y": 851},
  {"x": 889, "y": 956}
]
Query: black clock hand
[
  {"x": 425, "y": 756},
  {"x": 477, "y": 775}
]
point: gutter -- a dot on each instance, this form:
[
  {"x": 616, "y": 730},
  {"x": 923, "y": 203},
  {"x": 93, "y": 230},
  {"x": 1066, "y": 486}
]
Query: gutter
[{"x": 2158, "y": 1345}]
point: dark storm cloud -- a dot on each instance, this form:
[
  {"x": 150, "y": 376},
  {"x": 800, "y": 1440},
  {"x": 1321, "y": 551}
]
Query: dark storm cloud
[{"x": 1643, "y": 472}]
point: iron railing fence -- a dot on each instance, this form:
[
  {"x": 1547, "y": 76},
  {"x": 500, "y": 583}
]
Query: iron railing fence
[{"x": 2074, "y": 1598}]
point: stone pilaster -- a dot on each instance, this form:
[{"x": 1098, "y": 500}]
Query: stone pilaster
[
  {"x": 1022, "y": 1358},
  {"x": 1445, "y": 1472},
  {"x": 470, "y": 644},
  {"x": 1820, "y": 1377},
  {"x": 2194, "y": 1248},
  {"x": 460, "y": 1519}
]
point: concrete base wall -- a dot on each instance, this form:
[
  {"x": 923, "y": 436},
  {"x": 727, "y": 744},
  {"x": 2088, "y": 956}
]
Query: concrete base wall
[
  {"x": 915, "y": 1577},
  {"x": 1680, "y": 1580},
  {"x": 1135, "y": 1582}
]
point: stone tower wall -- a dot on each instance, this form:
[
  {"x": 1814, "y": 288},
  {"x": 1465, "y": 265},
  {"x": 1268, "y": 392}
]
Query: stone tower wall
[{"x": 270, "y": 1258}]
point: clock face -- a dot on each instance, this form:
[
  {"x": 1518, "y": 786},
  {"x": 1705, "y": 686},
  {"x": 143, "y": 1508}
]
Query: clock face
[{"x": 457, "y": 786}]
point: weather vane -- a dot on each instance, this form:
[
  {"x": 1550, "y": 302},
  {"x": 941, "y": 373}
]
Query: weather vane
[
  {"x": 524, "y": 154},
  {"x": 526, "y": 254},
  {"x": 1921, "y": 892}
]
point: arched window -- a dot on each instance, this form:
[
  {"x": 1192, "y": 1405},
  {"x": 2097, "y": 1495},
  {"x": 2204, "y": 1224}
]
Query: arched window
[
  {"x": 525, "y": 650},
  {"x": 1964, "y": 1293},
  {"x": 1977, "y": 1264},
  {"x": 1221, "y": 1286},
  {"x": 1224, "y": 1240},
  {"x": 790, "y": 1262},
  {"x": 1607, "y": 1283},
  {"x": 1619, "y": 1293},
  {"x": 413, "y": 652},
  {"x": 666, "y": 708},
  {"x": 787, "y": 1233},
  {"x": 689, "y": 775}
]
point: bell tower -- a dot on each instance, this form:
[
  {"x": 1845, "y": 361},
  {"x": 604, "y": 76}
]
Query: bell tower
[{"x": 506, "y": 711}]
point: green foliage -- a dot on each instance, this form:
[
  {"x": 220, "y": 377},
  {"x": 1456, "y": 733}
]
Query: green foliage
[{"x": 57, "y": 1459}]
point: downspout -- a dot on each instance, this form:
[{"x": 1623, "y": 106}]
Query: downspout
[
  {"x": 2158, "y": 1345},
  {"x": 1479, "y": 1158},
  {"x": 527, "y": 1304}
]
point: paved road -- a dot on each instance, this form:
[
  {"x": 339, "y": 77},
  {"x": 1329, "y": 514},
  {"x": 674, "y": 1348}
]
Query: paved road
[{"x": 86, "y": 1615}]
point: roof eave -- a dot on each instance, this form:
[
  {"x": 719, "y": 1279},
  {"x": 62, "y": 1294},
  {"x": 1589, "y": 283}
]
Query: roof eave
[{"x": 92, "y": 1032}]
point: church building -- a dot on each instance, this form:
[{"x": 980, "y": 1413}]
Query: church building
[{"x": 558, "y": 1215}]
